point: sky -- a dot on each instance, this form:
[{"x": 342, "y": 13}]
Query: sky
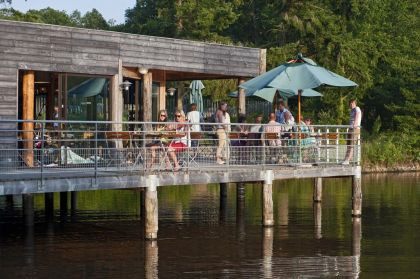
[{"x": 110, "y": 9}]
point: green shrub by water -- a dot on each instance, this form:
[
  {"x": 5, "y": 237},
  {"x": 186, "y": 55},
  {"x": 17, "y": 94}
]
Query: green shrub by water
[{"x": 389, "y": 149}]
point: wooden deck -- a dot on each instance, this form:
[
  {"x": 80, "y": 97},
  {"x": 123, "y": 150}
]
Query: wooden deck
[{"x": 26, "y": 181}]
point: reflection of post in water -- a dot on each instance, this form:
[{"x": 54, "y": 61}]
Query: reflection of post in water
[
  {"x": 283, "y": 209},
  {"x": 317, "y": 206},
  {"x": 267, "y": 246},
  {"x": 29, "y": 251},
  {"x": 356, "y": 244},
  {"x": 240, "y": 209},
  {"x": 28, "y": 209},
  {"x": 179, "y": 216},
  {"x": 9, "y": 201},
  {"x": 223, "y": 202},
  {"x": 356, "y": 236},
  {"x": 151, "y": 259}
]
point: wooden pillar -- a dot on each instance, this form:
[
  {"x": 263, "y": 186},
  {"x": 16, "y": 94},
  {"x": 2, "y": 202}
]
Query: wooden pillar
[
  {"x": 73, "y": 204},
  {"x": 63, "y": 206},
  {"x": 50, "y": 99},
  {"x": 28, "y": 95},
  {"x": 9, "y": 200},
  {"x": 151, "y": 259},
  {"x": 223, "y": 202},
  {"x": 317, "y": 220},
  {"x": 179, "y": 95},
  {"x": 162, "y": 91},
  {"x": 263, "y": 61},
  {"x": 49, "y": 205},
  {"x": 267, "y": 244},
  {"x": 241, "y": 98},
  {"x": 136, "y": 100},
  {"x": 151, "y": 209},
  {"x": 357, "y": 195},
  {"x": 240, "y": 200},
  {"x": 28, "y": 209},
  {"x": 117, "y": 103},
  {"x": 317, "y": 189},
  {"x": 147, "y": 96},
  {"x": 267, "y": 199}
]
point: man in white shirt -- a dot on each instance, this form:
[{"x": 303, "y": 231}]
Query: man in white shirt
[
  {"x": 194, "y": 117},
  {"x": 354, "y": 130}
]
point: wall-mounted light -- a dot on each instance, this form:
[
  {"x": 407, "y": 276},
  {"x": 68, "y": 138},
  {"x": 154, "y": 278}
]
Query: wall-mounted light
[
  {"x": 171, "y": 91},
  {"x": 143, "y": 70},
  {"x": 125, "y": 85}
]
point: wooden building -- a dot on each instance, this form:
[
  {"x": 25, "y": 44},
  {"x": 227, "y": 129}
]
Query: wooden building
[{"x": 80, "y": 72}]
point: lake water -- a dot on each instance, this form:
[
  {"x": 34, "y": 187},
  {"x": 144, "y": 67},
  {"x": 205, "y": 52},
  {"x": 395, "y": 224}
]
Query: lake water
[{"x": 198, "y": 238}]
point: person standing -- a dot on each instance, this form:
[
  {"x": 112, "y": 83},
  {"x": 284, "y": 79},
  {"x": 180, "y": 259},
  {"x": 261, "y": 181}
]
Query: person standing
[
  {"x": 354, "y": 130},
  {"x": 221, "y": 130},
  {"x": 194, "y": 117},
  {"x": 281, "y": 112}
]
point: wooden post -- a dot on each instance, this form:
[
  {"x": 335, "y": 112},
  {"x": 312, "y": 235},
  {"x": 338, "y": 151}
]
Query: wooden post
[
  {"x": 151, "y": 209},
  {"x": 162, "y": 91},
  {"x": 49, "y": 205},
  {"x": 117, "y": 99},
  {"x": 267, "y": 199},
  {"x": 263, "y": 60},
  {"x": 317, "y": 189},
  {"x": 136, "y": 100},
  {"x": 28, "y": 209},
  {"x": 357, "y": 195},
  {"x": 147, "y": 96},
  {"x": 223, "y": 202},
  {"x": 317, "y": 220},
  {"x": 9, "y": 201},
  {"x": 73, "y": 205},
  {"x": 28, "y": 93},
  {"x": 241, "y": 98},
  {"x": 151, "y": 259},
  {"x": 268, "y": 237},
  {"x": 63, "y": 206},
  {"x": 180, "y": 95},
  {"x": 49, "y": 115}
]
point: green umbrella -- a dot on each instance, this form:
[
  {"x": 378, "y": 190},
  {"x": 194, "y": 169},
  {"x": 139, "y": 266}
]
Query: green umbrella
[
  {"x": 195, "y": 94},
  {"x": 297, "y": 75},
  {"x": 269, "y": 93}
]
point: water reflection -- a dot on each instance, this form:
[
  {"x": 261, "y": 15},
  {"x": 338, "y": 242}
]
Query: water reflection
[
  {"x": 317, "y": 220},
  {"x": 107, "y": 239},
  {"x": 151, "y": 259}
]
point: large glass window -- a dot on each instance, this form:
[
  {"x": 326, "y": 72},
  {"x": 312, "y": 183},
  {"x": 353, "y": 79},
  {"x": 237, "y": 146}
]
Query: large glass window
[{"x": 87, "y": 98}]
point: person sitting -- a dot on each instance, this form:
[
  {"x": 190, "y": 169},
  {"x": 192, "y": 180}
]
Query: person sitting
[
  {"x": 288, "y": 125},
  {"x": 273, "y": 127},
  {"x": 180, "y": 143},
  {"x": 308, "y": 131},
  {"x": 242, "y": 130},
  {"x": 158, "y": 142}
]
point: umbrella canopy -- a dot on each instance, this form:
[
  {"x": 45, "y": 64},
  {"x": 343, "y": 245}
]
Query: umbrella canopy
[
  {"x": 195, "y": 94},
  {"x": 269, "y": 93},
  {"x": 296, "y": 75},
  {"x": 89, "y": 88}
]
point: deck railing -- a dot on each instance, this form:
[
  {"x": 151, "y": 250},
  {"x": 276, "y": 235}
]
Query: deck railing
[{"x": 139, "y": 147}]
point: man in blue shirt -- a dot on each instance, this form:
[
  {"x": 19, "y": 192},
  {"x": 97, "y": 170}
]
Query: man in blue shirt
[{"x": 280, "y": 113}]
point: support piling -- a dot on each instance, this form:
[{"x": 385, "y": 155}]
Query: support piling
[
  {"x": 151, "y": 210},
  {"x": 317, "y": 189},
  {"x": 28, "y": 209},
  {"x": 267, "y": 199},
  {"x": 356, "y": 196}
]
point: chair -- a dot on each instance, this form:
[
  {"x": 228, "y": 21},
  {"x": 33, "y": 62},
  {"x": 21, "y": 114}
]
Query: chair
[
  {"x": 273, "y": 148},
  {"x": 116, "y": 145},
  {"x": 194, "y": 151}
]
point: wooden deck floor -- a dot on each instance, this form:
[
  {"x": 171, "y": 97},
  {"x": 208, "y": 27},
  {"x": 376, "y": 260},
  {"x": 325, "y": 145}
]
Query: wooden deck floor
[{"x": 77, "y": 179}]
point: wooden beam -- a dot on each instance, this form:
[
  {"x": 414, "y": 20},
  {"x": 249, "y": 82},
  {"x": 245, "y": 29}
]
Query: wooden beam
[
  {"x": 241, "y": 98},
  {"x": 131, "y": 72},
  {"x": 263, "y": 61},
  {"x": 136, "y": 100},
  {"x": 28, "y": 91},
  {"x": 162, "y": 92},
  {"x": 147, "y": 97}
]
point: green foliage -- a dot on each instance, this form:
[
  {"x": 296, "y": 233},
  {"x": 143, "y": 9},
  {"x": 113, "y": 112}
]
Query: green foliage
[{"x": 374, "y": 43}]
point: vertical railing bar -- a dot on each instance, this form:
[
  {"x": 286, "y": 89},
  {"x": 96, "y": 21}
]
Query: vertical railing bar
[{"x": 96, "y": 151}]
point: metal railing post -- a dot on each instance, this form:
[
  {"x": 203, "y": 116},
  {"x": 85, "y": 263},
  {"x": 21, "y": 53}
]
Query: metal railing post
[
  {"x": 96, "y": 151},
  {"x": 327, "y": 150},
  {"x": 42, "y": 152},
  {"x": 336, "y": 144}
]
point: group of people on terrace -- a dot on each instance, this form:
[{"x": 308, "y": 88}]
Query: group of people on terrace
[{"x": 280, "y": 123}]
